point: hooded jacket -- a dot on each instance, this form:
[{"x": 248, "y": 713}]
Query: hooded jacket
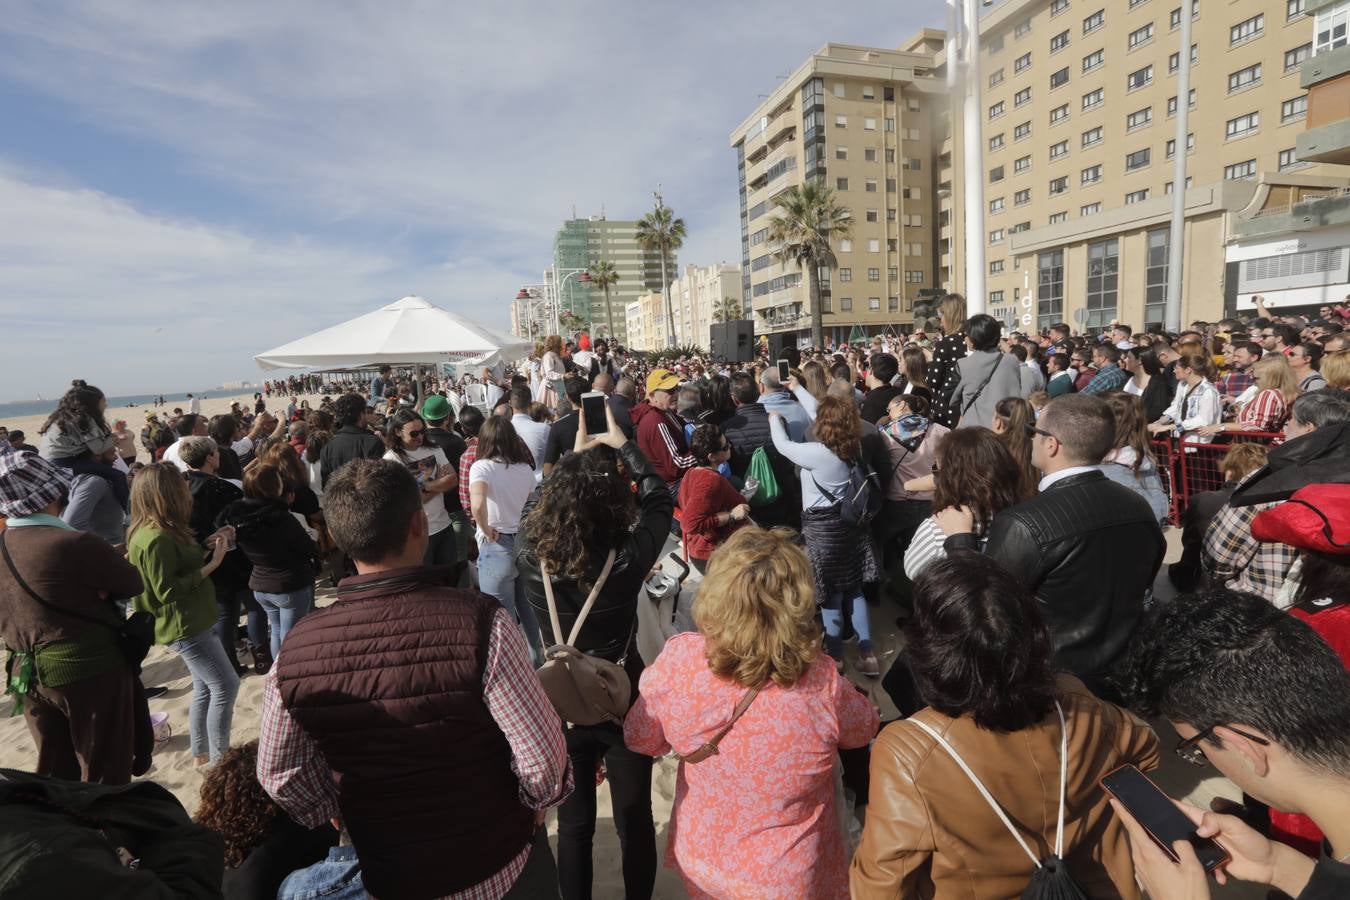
[
  {"x": 275, "y": 542},
  {"x": 660, "y": 437},
  {"x": 1319, "y": 457}
]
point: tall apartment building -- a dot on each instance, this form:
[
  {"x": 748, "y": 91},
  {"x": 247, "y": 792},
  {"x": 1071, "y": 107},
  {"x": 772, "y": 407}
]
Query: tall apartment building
[
  {"x": 864, "y": 121},
  {"x": 1079, "y": 101},
  {"x": 699, "y": 293},
  {"x": 645, "y": 321},
  {"x": 581, "y": 243}
]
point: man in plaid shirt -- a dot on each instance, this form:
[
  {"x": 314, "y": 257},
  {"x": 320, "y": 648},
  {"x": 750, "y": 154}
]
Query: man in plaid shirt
[
  {"x": 1110, "y": 376},
  {"x": 392, "y": 708}
]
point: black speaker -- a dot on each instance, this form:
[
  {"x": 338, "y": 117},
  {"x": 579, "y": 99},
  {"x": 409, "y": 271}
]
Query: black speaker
[
  {"x": 779, "y": 342},
  {"x": 735, "y": 341}
]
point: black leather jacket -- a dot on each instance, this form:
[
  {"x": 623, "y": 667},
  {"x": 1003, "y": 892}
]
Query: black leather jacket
[
  {"x": 1089, "y": 548},
  {"x": 612, "y": 624}
]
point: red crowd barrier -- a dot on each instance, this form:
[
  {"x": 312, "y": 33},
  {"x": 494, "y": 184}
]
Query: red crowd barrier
[{"x": 1190, "y": 467}]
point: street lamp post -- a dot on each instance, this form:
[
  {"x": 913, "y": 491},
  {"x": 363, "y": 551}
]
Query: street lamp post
[
  {"x": 963, "y": 78},
  {"x": 559, "y": 284},
  {"x": 1176, "y": 239}
]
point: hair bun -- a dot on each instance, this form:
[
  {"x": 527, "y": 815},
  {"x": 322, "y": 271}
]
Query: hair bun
[{"x": 78, "y": 383}]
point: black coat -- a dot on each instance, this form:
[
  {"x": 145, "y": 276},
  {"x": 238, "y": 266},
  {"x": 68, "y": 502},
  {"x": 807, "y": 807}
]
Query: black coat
[
  {"x": 746, "y": 431},
  {"x": 1089, "y": 549},
  {"x": 347, "y": 444},
  {"x": 272, "y": 538}
]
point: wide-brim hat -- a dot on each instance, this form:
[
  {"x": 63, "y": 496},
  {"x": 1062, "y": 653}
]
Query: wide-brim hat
[{"x": 29, "y": 484}]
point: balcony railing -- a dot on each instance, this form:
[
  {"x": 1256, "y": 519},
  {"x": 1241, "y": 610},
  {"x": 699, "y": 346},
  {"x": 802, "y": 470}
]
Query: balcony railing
[{"x": 1302, "y": 201}]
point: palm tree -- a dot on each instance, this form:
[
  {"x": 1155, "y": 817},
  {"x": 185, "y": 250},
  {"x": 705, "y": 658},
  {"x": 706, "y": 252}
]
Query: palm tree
[
  {"x": 810, "y": 220},
  {"x": 660, "y": 230},
  {"x": 605, "y": 276},
  {"x": 729, "y": 310}
]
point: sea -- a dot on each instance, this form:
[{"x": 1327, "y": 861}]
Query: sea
[{"x": 18, "y": 408}]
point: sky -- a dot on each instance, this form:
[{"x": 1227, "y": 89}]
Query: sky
[{"x": 185, "y": 185}]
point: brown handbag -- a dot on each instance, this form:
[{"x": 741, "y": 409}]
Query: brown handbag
[{"x": 710, "y": 748}]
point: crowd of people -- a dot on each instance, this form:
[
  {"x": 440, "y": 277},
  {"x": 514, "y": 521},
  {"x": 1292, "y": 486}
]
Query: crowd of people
[{"x": 492, "y": 547}]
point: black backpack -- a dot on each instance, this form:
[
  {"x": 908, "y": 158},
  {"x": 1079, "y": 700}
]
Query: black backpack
[{"x": 860, "y": 500}]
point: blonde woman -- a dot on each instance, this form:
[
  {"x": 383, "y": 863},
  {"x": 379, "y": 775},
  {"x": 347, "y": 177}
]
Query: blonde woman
[
  {"x": 1276, "y": 390},
  {"x": 757, "y": 819},
  {"x": 815, "y": 380},
  {"x": 1336, "y": 369},
  {"x": 178, "y": 592},
  {"x": 551, "y": 369},
  {"x": 943, "y": 376}
]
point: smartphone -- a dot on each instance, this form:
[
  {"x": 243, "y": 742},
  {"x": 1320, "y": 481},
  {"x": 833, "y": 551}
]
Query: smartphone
[
  {"x": 593, "y": 408},
  {"x": 783, "y": 373},
  {"x": 1160, "y": 817}
]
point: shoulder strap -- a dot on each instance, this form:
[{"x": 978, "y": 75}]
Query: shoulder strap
[
  {"x": 586, "y": 607},
  {"x": 710, "y": 747},
  {"x": 13, "y": 570},
  {"x": 993, "y": 804},
  {"x": 983, "y": 384}
]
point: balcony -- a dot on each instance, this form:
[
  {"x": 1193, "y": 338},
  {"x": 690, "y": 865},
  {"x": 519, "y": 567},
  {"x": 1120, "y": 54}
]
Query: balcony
[
  {"x": 1312, "y": 209},
  {"x": 1326, "y": 76}
]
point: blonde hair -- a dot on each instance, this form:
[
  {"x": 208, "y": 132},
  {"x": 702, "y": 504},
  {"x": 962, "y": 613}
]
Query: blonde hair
[
  {"x": 1336, "y": 369},
  {"x": 1243, "y": 459},
  {"x": 756, "y": 609},
  {"x": 160, "y": 499},
  {"x": 952, "y": 313},
  {"x": 1272, "y": 372},
  {"x": 553, "y": 344}
]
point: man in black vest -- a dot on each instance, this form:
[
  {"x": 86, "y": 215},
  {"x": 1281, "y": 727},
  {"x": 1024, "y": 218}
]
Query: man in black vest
[{"x": 409, "y": 709}]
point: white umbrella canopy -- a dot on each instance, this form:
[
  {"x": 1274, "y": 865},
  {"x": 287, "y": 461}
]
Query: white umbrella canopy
[{"x": 411, "y": 331}]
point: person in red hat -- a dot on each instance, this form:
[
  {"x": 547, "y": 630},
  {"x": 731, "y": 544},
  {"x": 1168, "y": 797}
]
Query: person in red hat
[{"x": 1315, "y": 521}]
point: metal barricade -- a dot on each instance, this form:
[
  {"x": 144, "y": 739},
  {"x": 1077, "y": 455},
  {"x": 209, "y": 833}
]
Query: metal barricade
[{"x": 1189, "y": 467}]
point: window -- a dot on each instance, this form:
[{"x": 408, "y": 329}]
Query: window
[
  {"x": 869, "y": 92},
  {"x": 1060, "y": 78},
  {"x": 1022, "y": 131},
  {"x": 869, "y": 124},
  {"x": 1022, "y": 29},
  {"x": 1244, "y": 78},
  {"x": 841, "y": 121},
  {"x": 996, "y": 142},
  {"x": 1092, "y": 136},
  {"x": 870, "y": 185},
  {"x": 1134, "y": 3},
  {"x": 889, "y": 124},
  {"x": 1094, "y": 60},
  {"x": 1141, "y": 36},
  {"x": 1139, "y": 78},
  {"x": 839, "y": 90},
  {"x": 995, "y": 298},
  {"x": 1103, "y": 282},
  {"x": 873, "y": 246},
  {"x": 871, "y": 215},
  {"x": 845, "y": 246},
  {"x": 996, "y": 267},
  {"x": 1094, "y": 21},
  {"x": 1049, "y": 288},
  {"x": 996, "y": 78},
  {"x": 841, "y": 184},
  {"x": 1289, "y": 160},
  {"x": 1020, "y": 227},
  {"x": 893, "y": 273},
  {"x": 996, "y": 236},
  {"x": 1022, "y": 197},
  {"x": 845, "y": 304},
  {"x": 1091, "y": 175},
  {"x": 913, "y": 193},
  {"x": 1172, "y": 145},
  {"x": 1293, "y": 110},
  {"x": 1174, "y": 17},
  {"x": 890, "y": 154},
  {"x": 1167, "y": 188},
  {"x": 888, "y": 93},
  {"x": 1022, "y": 96},
  {"x": 1174, "y": 60},
  {"x": 893, "y": 303},
  {"x": 1090, "y": 209},
  {"x": 1059, "y": 41},
  {"x": 1293, "y": 9},
  {"x": 1139, "y": 118},
  {"x": 913, "y": 276},
  {"x": 845, "y": 274},
  {"x": 1021, "y": 164},
  {"x": 1057, "y": 151},
  {"x": 1059, "y": 114},
  {"x": 890, "y": 215},
  {"x": 1059, "y": 185},
  {"x": 1058, "y": 6},
  {"x": 1247, "y": 30},
  {"x": 1240, "y": 171},
  {"x": 996, "y": 205},
  {"x": 874, "y": 304},
  {"x": 1172, "y": 103},
  {"x": 1022, "y": 62},
  {"x": 1136, "y": 196},
  {"x": 841, "y": 153},
  {"x": 1155, "y": 276},
  {"x": 874, "y": 274},
  {"x": 890, "y": 185},
  {"x": 1055, "y": 219},
  {"x": 996, "y": 110},
  {"x": 870, "y": 154},
  {"x": 1241, "y": 126},
  {"x": 1138, "y": 159},
  {"x": 1294, "y": 58}
]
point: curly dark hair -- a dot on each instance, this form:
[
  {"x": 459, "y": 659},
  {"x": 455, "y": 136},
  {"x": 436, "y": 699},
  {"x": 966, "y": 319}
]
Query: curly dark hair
[
  {"x": 706, "y": 441},
  {"x": 234, "y": 805},
  {"x": 975, "y": 470},
  {"x": 585, "y": 509},
  {"x": 77, "y": 405}
]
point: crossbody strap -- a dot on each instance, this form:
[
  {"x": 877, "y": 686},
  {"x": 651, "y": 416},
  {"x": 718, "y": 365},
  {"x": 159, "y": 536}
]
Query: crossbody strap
[
  {"x": 4, "y": 549},
  {"x": 983, "y": 384},
  {"x": 586, "y": 607},
  {"x": 710, "y": 747},
  {"x": 994, "y": 805}
]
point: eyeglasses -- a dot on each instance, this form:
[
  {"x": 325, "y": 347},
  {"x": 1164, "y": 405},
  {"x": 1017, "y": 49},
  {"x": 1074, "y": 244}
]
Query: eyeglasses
[
  {"x": 1042, "y": 432},
  {"x": 417, "y": 432},
  {"x": 1191, "y": 751},
  {"x": 1076, "y": 359}
]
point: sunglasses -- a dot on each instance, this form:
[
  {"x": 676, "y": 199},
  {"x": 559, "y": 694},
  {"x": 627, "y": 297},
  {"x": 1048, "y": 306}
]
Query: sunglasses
[
  {"x": 417, "y": 432},
  {"x": 1191, "y": 751}
]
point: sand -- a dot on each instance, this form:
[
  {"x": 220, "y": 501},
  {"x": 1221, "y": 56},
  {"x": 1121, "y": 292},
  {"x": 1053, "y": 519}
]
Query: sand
[{"x": 173, "y": 766}]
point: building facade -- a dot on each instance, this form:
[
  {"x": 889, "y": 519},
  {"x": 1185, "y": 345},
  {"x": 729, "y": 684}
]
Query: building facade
[
  {"x": 698, "y": 298},
  {"x": 645, "y": 322},
  {"x": 580, "y": 244},
  {"x": 867, "y": 123},
  {"x": 1078, "y": 128}
]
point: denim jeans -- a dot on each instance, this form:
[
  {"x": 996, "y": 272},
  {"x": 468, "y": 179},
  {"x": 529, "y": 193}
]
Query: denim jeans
[
  {"x": 228, "y": 603},
  {"x": 284, "y": 610},
  {"x": 214, "y": 686},
  {"x": 497, "y": 576},
  {"x": 336, "y": 878},
  {"x": 833, "y": 611}
]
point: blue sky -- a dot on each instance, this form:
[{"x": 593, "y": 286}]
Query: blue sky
[{"x": 185, "y": 185}]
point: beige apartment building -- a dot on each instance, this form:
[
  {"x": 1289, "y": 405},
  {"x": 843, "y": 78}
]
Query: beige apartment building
[
  {"x": 868, "y": 122},
  {"x": 697, "y": 295},
  {"x": 1078, "y": 111},
  {"x": 645, "y": 321}
]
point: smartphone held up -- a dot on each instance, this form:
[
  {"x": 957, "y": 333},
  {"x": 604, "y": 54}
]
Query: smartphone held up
[{"x": 1160, "y": 817}]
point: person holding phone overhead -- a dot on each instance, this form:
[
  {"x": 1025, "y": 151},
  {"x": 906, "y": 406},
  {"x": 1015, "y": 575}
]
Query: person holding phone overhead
[{"x": 405, "y": 434}]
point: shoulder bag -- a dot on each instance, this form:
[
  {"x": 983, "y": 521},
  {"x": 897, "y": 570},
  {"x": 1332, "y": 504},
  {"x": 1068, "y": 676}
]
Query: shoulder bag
[{"x": 709, "y": 748}]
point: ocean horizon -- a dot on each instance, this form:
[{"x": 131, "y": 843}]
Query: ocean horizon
[{"x": 16, "y": 408}]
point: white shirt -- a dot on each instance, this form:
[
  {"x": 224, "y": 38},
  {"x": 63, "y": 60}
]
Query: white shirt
[
  {"x": 535, "y": 436},
  {"x": 508, "y": 487},
  {"x": 171, "y": 455},
  {"x": 195, "y": 406},
  {"x": 1061, "y": 474},
  {"x": 423, "y": 464}
]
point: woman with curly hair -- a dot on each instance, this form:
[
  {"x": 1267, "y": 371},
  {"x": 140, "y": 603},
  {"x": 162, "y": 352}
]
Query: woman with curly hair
[
  {"x": 76, "y": 436},
  {"x": 711, "y": 508},
  {"x": 760, "y": 820},
  {"x": 1015, "y": 423},
  {"x": 841, "y": 558},
  {"x": 262, "y": 843},
  {"x": 594, "y": 522}
]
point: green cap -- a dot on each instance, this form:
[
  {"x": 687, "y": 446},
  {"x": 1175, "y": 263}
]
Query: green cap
[{"x": 435, "y": 407}]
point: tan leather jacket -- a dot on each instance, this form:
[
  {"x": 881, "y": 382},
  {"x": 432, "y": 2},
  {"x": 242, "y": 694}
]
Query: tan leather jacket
[{"x": 930, "y": 834}]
